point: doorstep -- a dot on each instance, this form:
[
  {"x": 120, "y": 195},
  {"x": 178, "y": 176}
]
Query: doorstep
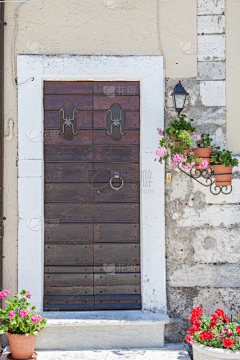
[
  {"x": 102, "y": 330},
  {"x": 169, "y": 352}
]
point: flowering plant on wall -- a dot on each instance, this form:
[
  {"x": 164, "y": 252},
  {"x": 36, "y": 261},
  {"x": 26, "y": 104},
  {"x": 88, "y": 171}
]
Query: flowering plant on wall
[
  {"x": 176, "y": 141},
  {"x": 20, "y": 317},
  {"x": 214, "y": 331}
]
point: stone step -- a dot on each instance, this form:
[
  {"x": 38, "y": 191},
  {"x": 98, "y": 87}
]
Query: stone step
[
  {"x": 102, "y": 330},
  {"x": 169, "y": 352}
]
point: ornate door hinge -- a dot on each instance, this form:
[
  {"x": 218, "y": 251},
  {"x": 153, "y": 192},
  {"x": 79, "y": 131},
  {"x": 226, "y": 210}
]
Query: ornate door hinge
[
  {"x": 68, "y": 121},
  {"x": 116, "y": 122}
]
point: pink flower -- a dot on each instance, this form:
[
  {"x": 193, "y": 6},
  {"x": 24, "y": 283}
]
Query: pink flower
[
  {"x": 198, "y": 138},
  {"x": 23, "y": 313},
  {"x": 235, "y": 339},
  {"x": 4, "y": 294},
  {"x": 12, "y": 314},
  {"x": 28, "y": 294},
  {"x": 194, "y": 133},
  {"x": 161, "y": 151},
  {"x": 36, "y": 318},
  {"x": 204, "y": 164},
  {"x": 160, "y": 132},
  {"x": 230, "y": 332}
]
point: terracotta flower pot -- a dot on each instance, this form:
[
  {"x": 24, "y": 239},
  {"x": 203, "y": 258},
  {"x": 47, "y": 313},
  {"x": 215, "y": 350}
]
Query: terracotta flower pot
[
  {"x": 223, "y": 175},
  {"x": 176, "y": 143},
  {"x": 203, "y": 153},
  {"x": 202, "y": 352},
  {"x": 21, "y": 345}
]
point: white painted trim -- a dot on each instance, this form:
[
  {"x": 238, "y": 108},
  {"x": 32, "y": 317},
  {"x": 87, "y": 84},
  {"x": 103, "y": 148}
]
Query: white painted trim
[{"x": 149, "y": 71}]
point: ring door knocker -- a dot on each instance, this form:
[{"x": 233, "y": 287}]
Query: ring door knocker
[{"x": 116, "y": 176}]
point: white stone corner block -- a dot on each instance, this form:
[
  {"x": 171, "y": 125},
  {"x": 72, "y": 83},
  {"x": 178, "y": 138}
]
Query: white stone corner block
[
  {"x": 211, "y": 70},
  {"x": 211, "y": 24},
  {"x": 211, "y": 47},
  {"x": 210, "y": 7},
  {"x": 213, "y": 93}
]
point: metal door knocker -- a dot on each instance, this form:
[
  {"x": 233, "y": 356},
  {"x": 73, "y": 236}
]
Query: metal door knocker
[
  {"x": 116, "y": 176},
  {"x": 116, "y": 122},
  {"x": 68, "y": 121}
]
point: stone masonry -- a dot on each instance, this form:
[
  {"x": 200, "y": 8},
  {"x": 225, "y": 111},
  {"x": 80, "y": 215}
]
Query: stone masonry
[{"x": 202, "y": 230}]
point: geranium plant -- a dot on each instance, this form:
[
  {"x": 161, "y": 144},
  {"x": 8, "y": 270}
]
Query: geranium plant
[
  {"x": 214, "y": 331},
  {"x": 175, "y": 127},
  {"x": 203, "y": 141},
  {"x": 20, "y": 317},
  {"x": 223, "y": 157}
]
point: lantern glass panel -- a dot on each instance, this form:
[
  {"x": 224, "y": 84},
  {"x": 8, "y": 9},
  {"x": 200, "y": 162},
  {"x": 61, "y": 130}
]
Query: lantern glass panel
[{"x": 179, "y": 101}]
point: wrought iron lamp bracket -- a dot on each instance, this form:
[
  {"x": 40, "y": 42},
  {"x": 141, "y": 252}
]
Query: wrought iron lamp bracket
[{"x": 206, "y": 178}]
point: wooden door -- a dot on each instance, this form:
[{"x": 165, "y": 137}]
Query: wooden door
[{"x": 92, "y": 232}]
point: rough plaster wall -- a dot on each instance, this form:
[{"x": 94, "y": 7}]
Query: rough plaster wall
[
  {"x": 233, "y": 74},
  {"x": 87, "y": 27}
]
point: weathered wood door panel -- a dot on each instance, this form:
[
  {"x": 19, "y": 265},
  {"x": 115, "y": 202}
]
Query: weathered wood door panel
[{"x": 92, "y": 232}]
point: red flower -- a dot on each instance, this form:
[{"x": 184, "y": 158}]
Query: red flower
[
  {"x": 197, "y": 323},
  {"x": 213, "y": 325},
  {"x": 227, "y": 342},
  {"x": 226, "y": 319},
  {"x": 193, "y": 329},
  {"x": 214, "y": 318},
  {"x": 189, "y": 339},
  {"x": 204, "y": 335},
  {"x": 219, "y": 312},
  {"x": 238, "y": 329},
  {"x": 195, "y": 314}
]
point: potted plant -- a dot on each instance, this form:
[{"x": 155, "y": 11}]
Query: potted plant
[
  {"x": 214, "y": 337},
  {"x": 176, "y": 128},
  {"x": 203, "y": 150},
  {"x": 21, "y": 324},
  {"x": 222, "y": 163}
]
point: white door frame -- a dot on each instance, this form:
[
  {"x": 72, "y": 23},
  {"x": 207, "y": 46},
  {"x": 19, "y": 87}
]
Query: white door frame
[{"x": 149, "y": 71}]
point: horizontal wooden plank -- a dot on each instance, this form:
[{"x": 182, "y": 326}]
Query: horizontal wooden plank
[
  {"x": 56, "y": 102},
  {"x": 89, "y": 119},
  {"x": 67, "y": 192},
  {"x": 68, "y": 254},
  {"x": 132, "y": 120},
  {"x": 68, "y": 153},
  {"x": 90, "y": 172},
  {"x": 116, "y": 153},
  {"x": 117, "y": 290},
  {"x": 116, "y": 212},
  {"x": 100, "y": 137},
  {"x": 70, "y": 212},
  {"x": 67, "y": 172},
  {"x": 52, "y": 137},
  {"x": 68, "y": 233},
  {"x": 111, "y": 278},
  {"x": 116, "y": 233},
  {"x": 68, "y": 290},
  {"x": 122, "y": 254},
  {"x": 82, "y": 192},
  {"x": 68, "y": 87},
  {"x": 106, "y": 299},
  {"x": 67, "y": 307},
  {"x": 68, "y": 279},
  {"x": 126, "y": 102},
  {"x": 117, "y": 306},
  {"x": 68, "y": 299},
  {"x": 97, "y": 153},
  {"x": 69, "y": 269},
  {"x": 116, "y": 88},
  {"x": 103, "y": 193},
  {"x": 107, "y": 268}
]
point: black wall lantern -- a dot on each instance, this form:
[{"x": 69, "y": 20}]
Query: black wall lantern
[{"x": 179, "y": 97}]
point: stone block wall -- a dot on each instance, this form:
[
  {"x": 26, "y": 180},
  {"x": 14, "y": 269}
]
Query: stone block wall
[{"x": 202, "y": 230}]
